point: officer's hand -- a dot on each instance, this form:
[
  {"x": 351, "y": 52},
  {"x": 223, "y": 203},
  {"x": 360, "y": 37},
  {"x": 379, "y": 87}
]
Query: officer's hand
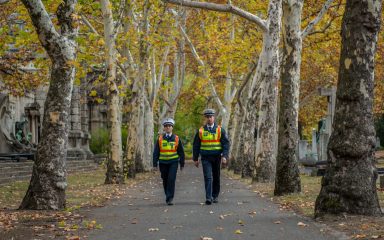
[
  {"x": 181, "y": 169},
  {"x": 196, "y": 163},
  {"x": 224, "y": 161}
]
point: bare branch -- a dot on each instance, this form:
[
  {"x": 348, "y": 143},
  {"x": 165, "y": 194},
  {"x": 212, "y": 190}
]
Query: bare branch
[
  {"x": 88, "y": 24},
  {"x": 326, "y": 27},
  {"x": 162, "y": 66},
  {"x": 201, "y": 63},
  {"x": 228, "y": 8},
  {"x": 245, "y": 82},
  {"x": 120, "y": 18},
  {"x": 165, "y": 100},
  {"x": 321, "y": 14}
]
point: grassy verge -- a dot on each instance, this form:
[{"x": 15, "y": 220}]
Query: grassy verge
[
  {"x": 85, "y": 189},
  {"x": 304, "y": 203}
]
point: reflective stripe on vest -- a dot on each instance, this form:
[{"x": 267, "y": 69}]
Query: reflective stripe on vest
[
  {"x": 210, "y": 141},
  {"x": 168, "y": 150}
]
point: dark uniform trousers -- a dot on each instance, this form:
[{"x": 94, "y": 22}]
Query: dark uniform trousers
[
  {"x": 168, "y": 174},
  {"x": 211, "y": 170}
]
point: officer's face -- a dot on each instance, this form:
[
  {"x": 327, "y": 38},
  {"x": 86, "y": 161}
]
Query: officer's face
[
  {"x": 168, "y": 128},
  {"x": 210, "y": 119}
]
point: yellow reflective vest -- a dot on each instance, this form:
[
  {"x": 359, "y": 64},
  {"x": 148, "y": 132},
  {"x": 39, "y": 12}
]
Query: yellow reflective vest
[
  {"x": 210, "y": 141},
  {"x": 168, "y": 149}
]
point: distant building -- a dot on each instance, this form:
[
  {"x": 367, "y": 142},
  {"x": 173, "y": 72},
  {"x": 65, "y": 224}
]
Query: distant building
[{"x": 21, "y": 120}]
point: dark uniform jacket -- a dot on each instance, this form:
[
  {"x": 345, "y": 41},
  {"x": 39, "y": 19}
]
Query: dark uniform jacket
[
  {"x": 223, "y": 140},
  {"x": 180, "y": 151}
]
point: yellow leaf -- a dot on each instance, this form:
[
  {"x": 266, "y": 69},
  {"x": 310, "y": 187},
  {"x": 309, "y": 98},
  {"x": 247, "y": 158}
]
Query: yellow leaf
[
  {"x": 100, "y": 42},
  {"x": 93, "y": 93},
  {"x": 238, "y": 231}
]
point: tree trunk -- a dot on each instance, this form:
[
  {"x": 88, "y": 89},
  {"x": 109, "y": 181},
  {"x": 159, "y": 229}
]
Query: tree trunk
[
  {"x": 114, "y": 173},
  {"x": 249, "y": 133},
  {"x": 148, "y": 136},
  {"x": 287, "y": 171},
  {"x": 140, "y": 151},
  {"x": 235, "y": 139},
  {"x": 48, "y": 183},
  {"x": 268, "y": 75},
  {"x": 132, "y": 138},
  {"x": 349, "y": 184}
]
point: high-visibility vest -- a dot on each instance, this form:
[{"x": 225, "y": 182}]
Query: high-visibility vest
[
  {"x": 210, "y": 141},
  {"x": 168, "y": 149}
]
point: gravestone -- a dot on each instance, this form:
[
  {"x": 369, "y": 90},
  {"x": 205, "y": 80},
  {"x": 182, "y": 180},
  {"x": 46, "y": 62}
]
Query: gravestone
[{"x": 325, "y": 126}]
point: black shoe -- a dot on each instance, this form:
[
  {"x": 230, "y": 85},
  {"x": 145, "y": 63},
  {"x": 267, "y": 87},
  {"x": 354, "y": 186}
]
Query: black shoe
[
  {"x": 215, "y": 200},
  {"x": 208, "y": 202},
  {"x": 170, "y": 202}
]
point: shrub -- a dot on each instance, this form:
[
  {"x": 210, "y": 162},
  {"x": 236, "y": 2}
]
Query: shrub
[{"x": 99, "y": 142}]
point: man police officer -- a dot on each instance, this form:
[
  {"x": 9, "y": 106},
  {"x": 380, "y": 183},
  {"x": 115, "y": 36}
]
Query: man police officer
[{"x": 212, "y": 144}]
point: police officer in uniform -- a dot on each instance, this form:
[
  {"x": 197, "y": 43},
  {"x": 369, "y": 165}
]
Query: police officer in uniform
[
  {"x": 169, "y": 153},
  {"x": 212, "y": 144}
]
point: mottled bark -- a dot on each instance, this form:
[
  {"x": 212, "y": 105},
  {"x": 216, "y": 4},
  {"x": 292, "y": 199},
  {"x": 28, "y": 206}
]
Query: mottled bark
[
  {"x": 349, "y": 184},
  {"x": 114, "y": 174},
  {"x": 238, "y": 122},
  {"x": 132, "y": 143},
  {"x": 48, "y": 183},
  {"x": 140, "y": 150},
  {"x": 249, "y": 134},
  {"x": 149, "y": 136},
  {"x": 287, "y": 171},
  {"x": 234, "y": 130},
  {"x": 268, "y": 75}
]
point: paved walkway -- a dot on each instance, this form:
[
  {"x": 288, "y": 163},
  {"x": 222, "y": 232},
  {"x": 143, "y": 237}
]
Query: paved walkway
[{"x": 240, "y": 214}]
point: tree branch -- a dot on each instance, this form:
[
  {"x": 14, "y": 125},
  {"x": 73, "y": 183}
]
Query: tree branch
[
  {"x": 120, "y": 18},
  {"x": 245, "y": 82},
  {"x": 43, "y": 24},
  {"x": 228, "y": 8},
  {"x": 326, "y": 27},
  {"x": 65, "y": 15},
  {"x": 201, "y": 63},
  {"x": 88, "y": 24},
  {"x": 313, "y": 23}
]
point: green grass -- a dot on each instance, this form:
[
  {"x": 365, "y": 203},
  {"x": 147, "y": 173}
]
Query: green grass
[
  {"x": 12, "y": 194},
  {"x": 85, "y": 188}
]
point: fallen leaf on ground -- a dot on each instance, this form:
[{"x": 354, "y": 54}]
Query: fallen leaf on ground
[
  {"x": 206, "y": 238},
  {"x": 358, "y": 236},
  {"x": 277, "y": 222},
  {"x": 221, "y": 217},
  {"x": 153, "y": 229},
  {"x": 74, "y": 238},
  {"x": 134, "y": 221},
  {"x": 238, "y": 231},
  {"x": 301, "y": 224}
]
